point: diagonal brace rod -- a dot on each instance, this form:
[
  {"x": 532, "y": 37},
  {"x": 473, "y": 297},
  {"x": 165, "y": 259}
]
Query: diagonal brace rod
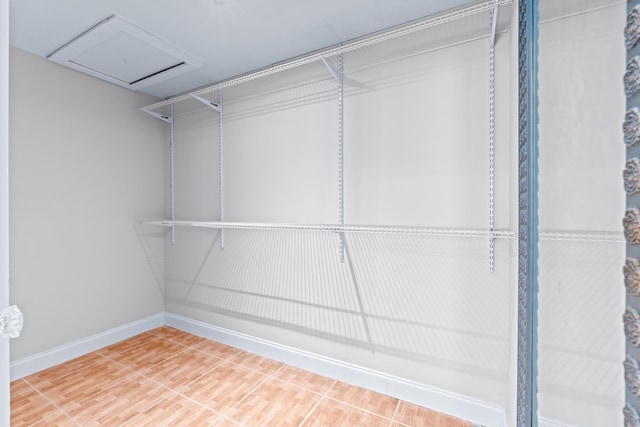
[
  {"x": 335, "y": 73},
  {"x": 163, "y": 117},
  {"x": 494, "y": 24},
  {"x": 357, "y": 290}
]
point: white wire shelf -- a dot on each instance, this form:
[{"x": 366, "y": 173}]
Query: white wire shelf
[
  {"x": 437, "y": 31},
  {"x": 544, "y": 235},
  {"x": 582, "y": 236},
  {"x": 335, "y": 228}
]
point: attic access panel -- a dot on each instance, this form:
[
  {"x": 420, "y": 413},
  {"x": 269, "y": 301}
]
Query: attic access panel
[{"x": 121, "y": 53}]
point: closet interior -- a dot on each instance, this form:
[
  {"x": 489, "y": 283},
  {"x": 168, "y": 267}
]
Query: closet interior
[{"x": 354, "y": 212}]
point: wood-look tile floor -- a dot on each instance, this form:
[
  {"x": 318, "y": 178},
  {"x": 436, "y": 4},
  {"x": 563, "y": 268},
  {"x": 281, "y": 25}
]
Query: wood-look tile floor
[{"x": 166, "y": 377}]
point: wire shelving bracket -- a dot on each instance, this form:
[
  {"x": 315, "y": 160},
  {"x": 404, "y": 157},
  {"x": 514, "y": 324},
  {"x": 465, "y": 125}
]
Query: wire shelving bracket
[
  {"x": 493, "y": 17},
  {"x": 206, "y": 102},
  {"x": 220, "y": 164},
  {"x": 168, "y": 119},
  {"x": 163, "y": 117},
  {"x": 217, "y": 107},
  {"x": 332, "y": 58}
]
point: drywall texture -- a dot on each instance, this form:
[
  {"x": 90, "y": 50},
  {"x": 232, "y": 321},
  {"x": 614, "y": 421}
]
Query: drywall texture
[
  {"x": 423, "y": 308},
  {"x": 581, "y": 299},
  {"x": 84, "y": 165}
]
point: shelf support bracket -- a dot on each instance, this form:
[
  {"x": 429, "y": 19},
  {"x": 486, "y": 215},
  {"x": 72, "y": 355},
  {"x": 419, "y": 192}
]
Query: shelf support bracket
[
  {"x": 494, "y": 23},
  {"x": 217, "y": 107},
  {"x": 341, "y": 79},
  {"x": 168, "y": 119},
  {"x": 163, "y": 117},
  {"x": 335, "y": 73},
  {"x": 206, "y": 102},
  {"x": 172, "y": 182},
  {"x": 220, "y": 170},
  {"x": 338, "y": 74},
  {"x": 492, "y": 132}
]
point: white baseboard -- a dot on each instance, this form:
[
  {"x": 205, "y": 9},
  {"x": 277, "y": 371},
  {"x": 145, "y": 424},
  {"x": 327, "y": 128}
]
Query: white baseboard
[
  {"x": 37, "y": 362},
  {"x": 547, "y": 422},
  {"x": 459, "y": 406}
]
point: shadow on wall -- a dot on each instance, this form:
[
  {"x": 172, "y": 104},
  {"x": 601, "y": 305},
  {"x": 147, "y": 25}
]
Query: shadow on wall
[
  {"x": 425, "y": 298},
  {"x": 152, "y": 243},
  {"x": 577, "y": 314}
]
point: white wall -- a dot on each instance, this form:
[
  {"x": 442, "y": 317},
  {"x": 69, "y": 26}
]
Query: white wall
[
  {"x": 84, "y": 165},
  {"x": 416, "y": 153},
  {"x": 581, "y": 298}
]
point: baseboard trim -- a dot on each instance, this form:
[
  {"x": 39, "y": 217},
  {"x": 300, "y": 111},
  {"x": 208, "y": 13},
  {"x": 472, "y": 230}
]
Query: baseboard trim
[
  {"x": 37, "y": 362},
  {"x": 476, "y": 411},
  {"x": 547, "y": 422}
]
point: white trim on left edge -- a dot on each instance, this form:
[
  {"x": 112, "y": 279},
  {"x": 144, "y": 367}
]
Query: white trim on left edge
[
  {"x": 37, "y": 362},
  {"x": 4, "y": 206}
]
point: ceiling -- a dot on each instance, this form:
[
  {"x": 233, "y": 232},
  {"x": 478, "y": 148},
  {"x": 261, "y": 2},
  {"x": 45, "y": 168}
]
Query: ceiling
[{"x": 226, "y": 38}]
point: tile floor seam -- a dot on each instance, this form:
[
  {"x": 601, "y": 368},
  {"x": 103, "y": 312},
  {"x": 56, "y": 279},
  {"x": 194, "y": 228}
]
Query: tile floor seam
[
  {"x": 184, "y": 396},
  {"x": 221, "y": 361},
  {"x": 360, "y": 408},
  {"x": 122, "y": 365},
  {"x": 169, "y": 358},
  {"x": 282, "y": 366},
  {"x": 247, "y": 395},
  {"x": 121, "y": 341},
  {"x": 69, "y": 417},
  {"x": 12, "y": 394},
  {"x": 225, "y": 359},
  {"x": 317, "y": 403},
  {"x": 131, "y": 370},
  {"x": 247, "y": 367},
  {"x": 219, "y": 414},
  {"x": 135, "y": 370},
  {"x": 141, "y": 411},
  {"x": 71, "y": 373},
  {"x": 298, "y": 386},
  {"x": 234, "y": 421},
  {"x": 213, "y": 368},
  {"x": 393, "y": 417},
  {"x": 59, "y": 409},
  {"x": 209, "y": 354}
]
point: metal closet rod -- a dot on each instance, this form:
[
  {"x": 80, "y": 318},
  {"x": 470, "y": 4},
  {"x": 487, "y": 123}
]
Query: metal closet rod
[{"x": 439, "y": 19}]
